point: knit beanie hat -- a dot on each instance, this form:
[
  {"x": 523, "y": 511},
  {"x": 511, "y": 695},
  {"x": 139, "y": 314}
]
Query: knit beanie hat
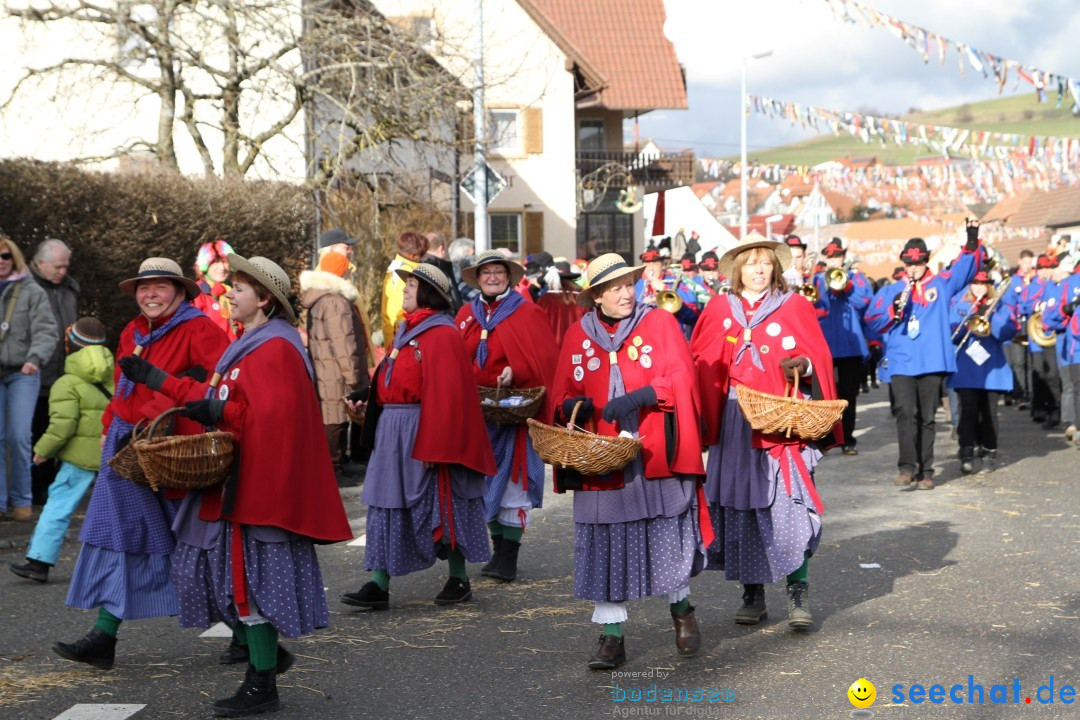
[
  {"x": 210, "y": 253},
  {"x": 86, "y": 331},
  {"x": 334, "y": 263}
]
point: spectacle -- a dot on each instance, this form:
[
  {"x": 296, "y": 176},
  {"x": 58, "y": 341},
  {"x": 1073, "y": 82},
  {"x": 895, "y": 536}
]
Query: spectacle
[
  {"x": 5, "y": 256},
  {"x": 492, "y": 272}
]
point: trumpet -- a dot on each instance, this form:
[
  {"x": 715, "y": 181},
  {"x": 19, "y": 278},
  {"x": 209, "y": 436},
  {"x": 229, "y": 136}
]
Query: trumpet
[
  {"x": 808, "y": 291},
  {"x": 836, "y": 279},
  {"x": 669, "y": 300},
  {"x": 905, "y": 296}
]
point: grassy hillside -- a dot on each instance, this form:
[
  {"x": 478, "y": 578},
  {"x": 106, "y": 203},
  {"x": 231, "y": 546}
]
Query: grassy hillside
[{"x": 1016, "y": 114}]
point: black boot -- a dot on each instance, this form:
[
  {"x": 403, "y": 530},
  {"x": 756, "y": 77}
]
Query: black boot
[
  {"x": 753, "y": 608},
  {"x": 455, "y": 591},
  {"x": 506, "y": 567},
  {"x": 32, "y": 570},
  {"x": 257, "y": 694},
  {"x": 237, "y": 653},
  {"x": 95, "y": 648},
  {"x": 496, "y": 552},
  {"x": 798, "y": 606},
  {"x": 370, "y": 596},
  {"x": 967, "y": 460}
]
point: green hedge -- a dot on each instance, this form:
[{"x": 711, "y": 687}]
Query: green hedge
[{"x": 113, "y": 221}]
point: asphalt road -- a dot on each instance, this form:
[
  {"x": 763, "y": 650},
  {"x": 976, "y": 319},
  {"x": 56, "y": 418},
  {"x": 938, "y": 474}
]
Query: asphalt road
[{"x": 977, "y": 577}]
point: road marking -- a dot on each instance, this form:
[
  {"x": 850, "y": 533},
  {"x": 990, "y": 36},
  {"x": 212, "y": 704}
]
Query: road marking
[
  {"x": 219, "y": 630},
  {"x": 862, "y": 431},
  {"x": 872, "y": 406},
  {"x": 99, "y": 712},
  {"x": 359, "y": 542}
]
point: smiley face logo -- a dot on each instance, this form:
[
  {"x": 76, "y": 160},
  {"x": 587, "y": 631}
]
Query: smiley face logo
[{"x": 862, "y": 693}]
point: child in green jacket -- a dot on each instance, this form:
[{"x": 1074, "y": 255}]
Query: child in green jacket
[{"x": 77, "y": 402}]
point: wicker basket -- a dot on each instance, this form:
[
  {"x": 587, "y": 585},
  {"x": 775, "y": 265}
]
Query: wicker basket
[
  {"x": 586, "y": 452},
  {"x": 124, "y": 462},
  {"x": 510, "y": 414},
  {"x": 773, "y": 414},
  {"x": 186, "y": 462},
  {"x": 355, "y": 416}
]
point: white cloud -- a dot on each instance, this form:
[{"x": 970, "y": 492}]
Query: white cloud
[{"x": 819, "y": 60}]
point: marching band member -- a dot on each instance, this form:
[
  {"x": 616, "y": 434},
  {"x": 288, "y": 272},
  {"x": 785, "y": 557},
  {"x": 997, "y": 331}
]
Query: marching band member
[
  {"x": 511, "y": 345},
  {"x": 690, "y": 276},
  {"x": 760, "y": 488},
  {"x": 913, "y": 317},
  {"x": 710, "y": 273},
  {"x": 425, "y": 482},
  {"x": 638, "y": 531},
  {"x": 982, "y": 372},
  {"x": 1045, "y": 379},
  {"x": 559, "y": 303},
  {"x": 841, "y": 311},
  {"x": 1016, "y": 352},
  {"x": 655, "y": 280},
  {"x": 797, "y": 273},
  {"x": 1062, "y": 318}
]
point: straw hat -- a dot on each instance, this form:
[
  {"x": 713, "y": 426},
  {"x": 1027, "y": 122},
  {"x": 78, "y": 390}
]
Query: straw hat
[
  {"x": 751, "y": 241},
  {"x": 604, "y": 268},
  {"x": 489, "y": 256},
  {"x": 431, "y": 275},
  {"x": 156, "y": 267},
  {"x": 270, "y": 275}
]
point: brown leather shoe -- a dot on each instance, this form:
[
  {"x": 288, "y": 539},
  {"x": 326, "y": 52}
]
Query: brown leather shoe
[
  {"x": 22, "y": 514},
  {"x": 687, "y": 635},
  {"x": 610, "y": 653},
  {"x": 926, "y": 482},
  {"x": 903, "y": 479}
]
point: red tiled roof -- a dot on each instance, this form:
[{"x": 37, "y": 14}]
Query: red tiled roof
[
  {"x": 702, "y": 189},
  {"x": 624, "y": 41},
  {"x": 1041, "y": 209},
  {"x": 1006, "y": 207}
]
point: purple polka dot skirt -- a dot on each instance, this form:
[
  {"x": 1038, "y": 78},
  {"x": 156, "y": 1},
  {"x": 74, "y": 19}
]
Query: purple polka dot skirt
[
  {"x": 283, "y": 579},
  {"x": 617, "y": 562},
  {"x": 401, "y": 540}
]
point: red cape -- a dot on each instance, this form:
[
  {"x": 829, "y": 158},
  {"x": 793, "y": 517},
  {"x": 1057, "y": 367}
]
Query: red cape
[
  {"x": 791, "y": 331},
  {"x": 285, "y": 476},
  {"x": 562, "y": 312},
  {"x": 671, "y": 374},
  {"x": 528, "y": 344}
]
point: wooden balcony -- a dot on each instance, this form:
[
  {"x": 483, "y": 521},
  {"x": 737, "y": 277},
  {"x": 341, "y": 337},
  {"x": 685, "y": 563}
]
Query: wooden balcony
[{"x": 655, "y": 171}]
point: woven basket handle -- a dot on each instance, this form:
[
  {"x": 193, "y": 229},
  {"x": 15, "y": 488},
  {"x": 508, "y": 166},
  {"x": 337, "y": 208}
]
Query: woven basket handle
[
  {"x": 158, "y": 419},
  {"x": 573, "y": 415},
  {"x": 795, "y": 384}
]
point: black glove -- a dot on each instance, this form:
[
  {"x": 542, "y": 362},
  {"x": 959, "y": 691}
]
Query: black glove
[
  {"x": 972, "y": 235},
  {"x": 357, "y": 396},
  {"x": 1068, "y": 308},
  {"x": 138, "y": 370},
  {"x": 629, "y": 403},
  {"x": 204, "y": 412},
  {"x": 586, "y": 411},
  {"x": 790, "y": 365},
  {"x": 195, "y": 372}
]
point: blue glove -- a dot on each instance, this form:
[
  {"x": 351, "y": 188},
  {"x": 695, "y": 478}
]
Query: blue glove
[
  {"x": 586, "y": 411},
  {"x": 629, "y": 403}
]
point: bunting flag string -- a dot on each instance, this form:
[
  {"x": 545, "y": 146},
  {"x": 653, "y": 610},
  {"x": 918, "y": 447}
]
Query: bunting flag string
[
  {"x": 932, "y": 45},
  {"x": 947, "y": 141}
]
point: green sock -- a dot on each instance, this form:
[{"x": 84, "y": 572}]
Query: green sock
[
  {"x": 613, "y": 629},
  {"x": 513, "y": 534},
  {"x": 803, "y": 572},
  {"x": 457, "y": 566},
  {"x": 381, "y": 578},
  {"x": 107, "y": 622},
  {"x": 495, "y": 528},
  {"x": 239, "y": 632},
  {"x": 262, "y": 644},
  {"x": 681, "y": 606}
]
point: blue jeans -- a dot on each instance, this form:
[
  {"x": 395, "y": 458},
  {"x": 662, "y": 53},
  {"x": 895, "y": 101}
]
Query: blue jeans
[
  {"x": 18, "y": 397},
  {"x": 66, "y": 491}
]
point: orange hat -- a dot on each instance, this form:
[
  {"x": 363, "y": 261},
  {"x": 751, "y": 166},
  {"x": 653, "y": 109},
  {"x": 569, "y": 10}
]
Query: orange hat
[{"x": 335, "y": 263}]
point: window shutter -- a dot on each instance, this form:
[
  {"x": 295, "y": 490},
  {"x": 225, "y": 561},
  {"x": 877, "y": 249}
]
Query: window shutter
[
  {"x": 534, "y": 232},
  {"x": 534, "y": 130}
]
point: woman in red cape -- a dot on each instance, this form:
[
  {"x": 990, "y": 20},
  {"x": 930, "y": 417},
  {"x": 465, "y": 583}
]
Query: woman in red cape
[
  {"x": 246, "y": 549},
  {"x": 760, "y": 488},
  {"x": 510, "y": 344},
  {"x": 641, "y": 531},
  {"x": 559, "y": 303},
  {"x": 425, "y": 484}
]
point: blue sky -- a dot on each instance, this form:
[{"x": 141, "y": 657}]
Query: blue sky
[{"x": 818, "y": 60}]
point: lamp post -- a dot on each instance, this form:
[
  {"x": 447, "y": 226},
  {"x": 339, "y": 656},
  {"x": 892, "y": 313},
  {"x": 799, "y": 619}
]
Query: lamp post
[{"x": 742, "y": 119}]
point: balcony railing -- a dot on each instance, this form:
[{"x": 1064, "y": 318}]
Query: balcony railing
[{"x": 656, "y": 171}]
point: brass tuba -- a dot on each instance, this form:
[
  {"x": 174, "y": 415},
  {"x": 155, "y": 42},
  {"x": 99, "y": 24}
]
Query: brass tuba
[
  {"x": 669, "y": 300},
  {"x": 1036, "y": 333}
]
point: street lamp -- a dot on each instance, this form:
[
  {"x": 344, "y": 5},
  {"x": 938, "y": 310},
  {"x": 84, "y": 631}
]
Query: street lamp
[{"x": 742, "y": 166}]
